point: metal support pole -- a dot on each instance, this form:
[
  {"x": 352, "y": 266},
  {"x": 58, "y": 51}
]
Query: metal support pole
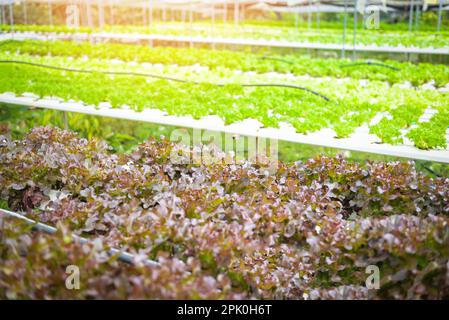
[
  {"x": 111, "y": 12},
  {"x": 242, "y": 15},
  {"x": 150, "y": 17},
  {"x": 25, "y": 13},
  {"x": 354, "y": 35},
  {"x": 213, "y": 18},
  {"x": 183, "y": 15},
  {"x": 236, "y": 13},
  {"x": 50, "y": 13},
  {"x": 440, "y": 9},
  {"x": 345, "y": 22},
  {"x": 225, "y": 12},
  {"x": 3, "y": 14},
  {"x": 417, "y": 14},
  {"x": 363, "y": 15},
  {"x": 66, "y": 120},
  {"x": 101, "y": 14},
  {"x": 410, "y": 17},
  {"x": 89, "y": 15},
  {"x": 213, "y": 23},
  {"x": 190, "y": 24},
  {"x": 76, "y": 18},
  {"x": 11, "y": 17},
  {"x": 309, "y": 15}
]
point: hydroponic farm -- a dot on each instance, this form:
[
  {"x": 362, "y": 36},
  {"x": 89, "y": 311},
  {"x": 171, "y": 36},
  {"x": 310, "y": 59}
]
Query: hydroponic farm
[{"x": 224, "y": 149}]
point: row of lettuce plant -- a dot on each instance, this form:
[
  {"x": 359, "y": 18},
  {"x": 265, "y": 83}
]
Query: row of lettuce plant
[
  {"x": 427, "y": 23},
  {"x": 365, "y": 37},
  {"x": 351, "y": 103},
  {"x": 391, "y": 71},
  {"x": 309, "y": 230}
]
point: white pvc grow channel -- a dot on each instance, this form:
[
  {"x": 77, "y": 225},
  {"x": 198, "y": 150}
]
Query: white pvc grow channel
[
  {"x": 134, "y": 37},
  {"x": 360, "y": 141}
]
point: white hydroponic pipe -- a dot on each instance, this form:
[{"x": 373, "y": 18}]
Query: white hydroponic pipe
[
  {"x": 227, "y": 41},
  {"x": 38, "y": 226}
]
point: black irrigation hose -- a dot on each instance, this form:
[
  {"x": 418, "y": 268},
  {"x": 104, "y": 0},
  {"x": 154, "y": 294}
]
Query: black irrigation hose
[
  {"x": 38, "y": 226},
  {"x": 371, "y": 63},
  {"x": 431, "y": 171},
  {"x": 287, "y": 86},
  {"x": 148, "y": 75}
]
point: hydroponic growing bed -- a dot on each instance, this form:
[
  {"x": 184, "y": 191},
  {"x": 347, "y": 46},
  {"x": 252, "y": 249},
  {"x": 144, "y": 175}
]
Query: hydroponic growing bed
[
  {"x": 217, "y": 231},
  {"x": 378, "y": 112},
  {"x": 96, "y": 175},
  {"x": 325, "y": 39},
  {"x": 125, "y": 37}
]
